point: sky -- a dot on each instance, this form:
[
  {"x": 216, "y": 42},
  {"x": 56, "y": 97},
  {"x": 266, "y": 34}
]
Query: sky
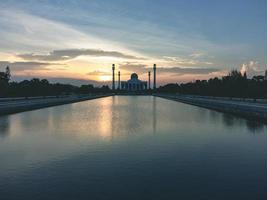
[{"x": 78, "y": 40}]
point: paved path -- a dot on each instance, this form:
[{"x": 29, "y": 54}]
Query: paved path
[
  {"x": 8, "y": 106},
  {"x": 246, "y": 109}
]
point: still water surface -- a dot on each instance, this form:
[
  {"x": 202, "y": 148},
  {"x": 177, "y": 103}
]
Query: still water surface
[{"x": 131, "y": 147}]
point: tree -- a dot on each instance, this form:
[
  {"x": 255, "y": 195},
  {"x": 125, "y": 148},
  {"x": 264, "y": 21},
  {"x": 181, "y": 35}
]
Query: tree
[
  {"x": 5, "y": 76},
  {"x": 169, "y": 88},
  {"x": 232, "y": 85},
  {"x": 8, "y": 73}
]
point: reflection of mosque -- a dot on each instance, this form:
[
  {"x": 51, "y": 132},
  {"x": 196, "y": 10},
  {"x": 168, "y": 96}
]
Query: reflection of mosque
[{"x": 133, "y": 84}]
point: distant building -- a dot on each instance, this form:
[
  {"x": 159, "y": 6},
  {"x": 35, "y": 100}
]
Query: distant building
[
  {"x": 134, "y": 84},
  {"x": 154, "y": 70},
  {"x": 113, "y": 76},
  {"x": 266, "y": 75}
]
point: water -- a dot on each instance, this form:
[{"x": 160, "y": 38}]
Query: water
[{"x": 131, "y": 147}]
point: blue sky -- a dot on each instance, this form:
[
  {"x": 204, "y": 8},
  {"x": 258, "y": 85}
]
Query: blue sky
[{"x": 191, "y": 34}]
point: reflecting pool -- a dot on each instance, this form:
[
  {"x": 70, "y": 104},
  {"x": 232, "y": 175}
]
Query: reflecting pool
[{"x": 131, "y": 147}]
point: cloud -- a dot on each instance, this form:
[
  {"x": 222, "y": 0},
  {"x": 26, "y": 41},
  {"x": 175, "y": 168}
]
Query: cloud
[
  {"x": 141, "y": 69},
  {"x": 22, "y": 32},
  {"x": 132, "y": 67},
  {"x": 68, "y": 54},
  {"x": 23, "y": 66},
  {"x": 63, "y": 80},
  {"x": 193, "y": 60},
  {"x": 187, "y": 70},
  {"x": 99, "y": 73},
  {"x": 252, "y": 68},
  {"x": 196, "y": 55}
]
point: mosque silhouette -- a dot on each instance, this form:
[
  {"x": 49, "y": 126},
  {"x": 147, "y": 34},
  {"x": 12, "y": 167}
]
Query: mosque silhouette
[{"x": 134, "y": 84}]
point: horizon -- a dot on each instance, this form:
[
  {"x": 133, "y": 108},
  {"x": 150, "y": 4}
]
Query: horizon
[{"x": 79, "y": 41}]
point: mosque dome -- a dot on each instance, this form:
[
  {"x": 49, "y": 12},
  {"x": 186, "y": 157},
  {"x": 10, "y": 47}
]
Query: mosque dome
[{"x": 134, "y": 76}]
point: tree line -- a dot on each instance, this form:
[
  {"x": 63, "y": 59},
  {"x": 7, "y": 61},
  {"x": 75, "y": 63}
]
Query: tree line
[
  {"x": 235, "y": 84},
  {"x": 37, "y": 87}
]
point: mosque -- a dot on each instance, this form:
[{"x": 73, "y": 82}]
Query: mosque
[{"x": 133, "y": 84}]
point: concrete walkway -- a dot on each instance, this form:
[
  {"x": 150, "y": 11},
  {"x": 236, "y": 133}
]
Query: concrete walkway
[
  {"x": 15, "y": 105},
  {"x": 246, "y": 109}
]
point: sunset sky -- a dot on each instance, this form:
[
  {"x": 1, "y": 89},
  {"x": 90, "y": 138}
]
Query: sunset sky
[{"x": 80, "y": 39}]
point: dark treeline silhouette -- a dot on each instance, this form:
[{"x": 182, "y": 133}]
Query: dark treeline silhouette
[
  {"x": 233, "y": 85},
  {"x": 37, "y": 87}
]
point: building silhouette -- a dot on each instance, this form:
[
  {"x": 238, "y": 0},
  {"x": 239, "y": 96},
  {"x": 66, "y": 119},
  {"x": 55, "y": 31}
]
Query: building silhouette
[
  {"x": 154, "y": 70},
  {"x": 113, "y": 76},
  {"x": 134, "y": 84},
  {"x": 149, "y": 85},
  {"x": 119, "y": 80}
]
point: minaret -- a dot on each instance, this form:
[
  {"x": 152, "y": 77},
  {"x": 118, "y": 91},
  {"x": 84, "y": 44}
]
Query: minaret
[
  {"x": 113, "y": 76},
  {"x": 154, "y": 86},
  {"x": 119, "y": 80},
  {"x": 149, "y": 80}
]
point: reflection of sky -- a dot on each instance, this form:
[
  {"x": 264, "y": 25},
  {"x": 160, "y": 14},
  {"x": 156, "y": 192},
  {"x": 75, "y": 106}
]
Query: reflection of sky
[
  {"x": 210, "y": 34},
  {"x": 62, "y": 131},
  {"x": 120, "y": 136}
]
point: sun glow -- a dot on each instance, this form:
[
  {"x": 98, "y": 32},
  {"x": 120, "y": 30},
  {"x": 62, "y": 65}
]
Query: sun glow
[{"x": 104, "y": 78}]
